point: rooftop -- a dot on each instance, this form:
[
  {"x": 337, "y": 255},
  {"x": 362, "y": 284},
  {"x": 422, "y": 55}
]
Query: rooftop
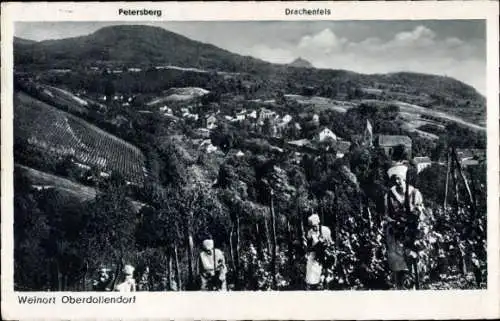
[
  {"x": 421, "y": 159},
  {"x": 393, "y": 140}
]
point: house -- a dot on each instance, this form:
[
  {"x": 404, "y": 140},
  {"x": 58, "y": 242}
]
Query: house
[
  {"x": 190, "y": 116},
  {"x": 471, "y": 153},
  {"x": 299, "y": 143},
  {"x": 211, "y": 122},
  {"x": 342, "y": 148},
  {"x": 395, "y": 146},
  {"x": 253, "y": 114},
  {"x": 166, "y": 110},
  {"x": 421, "y": 162},
  {"x": 469, "y": 162},
  {"x": 239, "y": 117},
  {"x": 286, "y": 119},
  {"x": 265, "y": 113},
  {"x": 324, "y": 134}
]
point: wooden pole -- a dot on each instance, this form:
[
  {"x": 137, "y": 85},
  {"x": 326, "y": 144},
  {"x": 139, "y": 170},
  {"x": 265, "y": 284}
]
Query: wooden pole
[
  {"x": 189, "y": 250},
  {"x": 455, "y": 185},
  {"x": 268, "y": 237},
  {"x": 237, "y": 248},
  {"x": 169, "y": 271},
  {"x": 473, "y": 186},
  {"x": 336, "y": 211},
  {"x": 177, "y": 267},
  {"x": 290, "y": 239},
  {"x": 258, "y": 241},
  {"x": 231, "y": 248},
  {"x": 273, "y": 226},
  {"x": 467, "y": 187},
  {"x": 448, "y": 165},
  {"x": 370, "y": 219}
]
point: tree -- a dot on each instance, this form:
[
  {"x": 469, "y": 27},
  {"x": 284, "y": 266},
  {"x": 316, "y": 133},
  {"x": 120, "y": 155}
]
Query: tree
[{"x": 108, "y": 229}]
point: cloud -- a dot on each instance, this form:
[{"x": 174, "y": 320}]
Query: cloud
[
  {"x": 418, "y": 50},
  {"x": 325, "y": 41},
  {"x": 421, "y": 36}
]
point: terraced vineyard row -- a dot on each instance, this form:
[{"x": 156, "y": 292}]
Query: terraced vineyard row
[{"x": 61, "y": 133}]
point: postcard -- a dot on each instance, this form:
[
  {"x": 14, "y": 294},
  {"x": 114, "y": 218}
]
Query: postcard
[{"x": 263, "y": 160}]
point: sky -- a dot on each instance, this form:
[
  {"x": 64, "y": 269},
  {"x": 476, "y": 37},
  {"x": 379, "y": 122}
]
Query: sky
[{"x": 455, "y": 48}]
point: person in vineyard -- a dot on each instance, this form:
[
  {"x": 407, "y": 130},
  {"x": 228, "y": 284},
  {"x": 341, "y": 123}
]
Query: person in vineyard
[
  {"x": 317, "y": 240},
  {"x": 128, "y": 284},
  {"x": 103, "y": 281},
  {"x": 212, "y": 267},
  {"x": 403, "y": 208}
]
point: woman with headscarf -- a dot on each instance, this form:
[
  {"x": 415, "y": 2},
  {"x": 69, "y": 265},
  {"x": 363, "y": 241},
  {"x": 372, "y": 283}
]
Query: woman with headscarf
[
  {"x": 317, "y": 239},
  {"x": 212, "y": 267},
  {"x": 103, "y": 281},
  {"x": 128, "y": 284},
  {"x": 403, "y": 207}
]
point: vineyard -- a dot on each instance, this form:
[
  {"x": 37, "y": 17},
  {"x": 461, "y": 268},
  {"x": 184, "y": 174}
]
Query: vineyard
[{"x": 63, "y": 134}]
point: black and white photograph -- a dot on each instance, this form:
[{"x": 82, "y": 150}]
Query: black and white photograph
[{"x": 250, "y": 155}]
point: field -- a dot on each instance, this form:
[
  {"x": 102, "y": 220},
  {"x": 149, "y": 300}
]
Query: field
[
  {"x": 61, "y": 133},
  {"x": 66, "y": 186}
]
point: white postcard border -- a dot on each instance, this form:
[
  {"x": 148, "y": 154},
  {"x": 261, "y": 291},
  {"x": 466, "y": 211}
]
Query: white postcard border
[{"x": 261, "y": 305}]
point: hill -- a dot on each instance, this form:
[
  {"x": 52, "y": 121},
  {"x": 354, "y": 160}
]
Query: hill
[
  {"x": 63, "y": 134},
  {"x": 301, "y": 63},
  {"x": 67, "y": 188},
  {"x": 21, "y": 41},
  {"x": 143, "y": 47},
  {"x": 130, "y": 44}
]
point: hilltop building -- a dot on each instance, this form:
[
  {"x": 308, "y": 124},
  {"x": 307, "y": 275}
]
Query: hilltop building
[{"x": 395, "y": 146}]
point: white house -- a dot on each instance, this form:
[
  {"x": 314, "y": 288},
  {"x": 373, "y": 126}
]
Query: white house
[
  {"x": 166, "y": 110},
  {"x": 324, "y": 134},
  {"x": 286, "y": 119},
  {"x": 240, "y": 117},
  {"x": 253, "y": 114},
  {"x": 422, "y": 162},
  {"x": 265, "y": 113}
]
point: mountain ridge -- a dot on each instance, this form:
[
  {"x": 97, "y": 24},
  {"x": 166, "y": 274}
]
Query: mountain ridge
[{"x": 146, "y": 46}]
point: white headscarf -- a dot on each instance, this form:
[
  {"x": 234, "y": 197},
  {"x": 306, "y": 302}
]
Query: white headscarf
[
  {"x": 128, "y": 270},
  {"x": 313, "y": 219},
  {"x": 398, "y": 170},
  {"x": 208, "y": 244}
]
